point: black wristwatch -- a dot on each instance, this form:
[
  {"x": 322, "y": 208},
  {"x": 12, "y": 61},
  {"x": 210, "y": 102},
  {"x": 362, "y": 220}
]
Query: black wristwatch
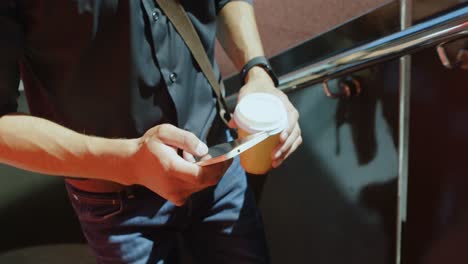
[{"x": 260, "y": 61}]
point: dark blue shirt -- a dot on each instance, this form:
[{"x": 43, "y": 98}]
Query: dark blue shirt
[{"x": 106, "y": 67}]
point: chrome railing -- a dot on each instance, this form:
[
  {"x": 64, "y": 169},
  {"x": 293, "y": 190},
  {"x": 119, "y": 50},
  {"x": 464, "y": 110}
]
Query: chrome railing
[
  {"x": 438, "y": 30},
  {"x": 446, "y": 28}
]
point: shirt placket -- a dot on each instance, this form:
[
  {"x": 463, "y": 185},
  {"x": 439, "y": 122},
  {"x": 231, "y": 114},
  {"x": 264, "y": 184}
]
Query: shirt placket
[{"x": 158, "y": 24}]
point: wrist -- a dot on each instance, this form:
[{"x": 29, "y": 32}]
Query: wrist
[
  {"x": 258, "y": 73},
  {"x": 258, "y": 67},
  {"x": 112, "y": 158}
]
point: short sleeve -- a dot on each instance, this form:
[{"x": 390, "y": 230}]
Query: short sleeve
[
  {"x": 11, "y": 46},
  {"x": 221, "y": 3}
]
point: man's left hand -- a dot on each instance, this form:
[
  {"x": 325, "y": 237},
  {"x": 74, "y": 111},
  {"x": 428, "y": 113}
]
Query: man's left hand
[{"x": 259, "y": 81}]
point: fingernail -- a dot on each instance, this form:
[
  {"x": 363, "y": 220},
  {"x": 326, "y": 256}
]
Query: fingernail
[
  {"x": 202, "y": 149},
  {"x": 189, "y": 157},
  {"x": 278, "y": 154},
  {"x": 284, "y": 135}
]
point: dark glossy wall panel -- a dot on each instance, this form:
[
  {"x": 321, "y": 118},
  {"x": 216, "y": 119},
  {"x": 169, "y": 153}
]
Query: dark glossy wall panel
[
  {"x": 437, "y": 226},
  {"x": 334, "y": 201}
]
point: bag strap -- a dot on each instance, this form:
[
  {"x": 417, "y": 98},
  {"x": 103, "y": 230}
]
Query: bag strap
[{"x": 177, "y": 15}]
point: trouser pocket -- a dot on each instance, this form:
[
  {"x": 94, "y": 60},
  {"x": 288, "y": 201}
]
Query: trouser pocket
[{"x": 95, "y": 207}]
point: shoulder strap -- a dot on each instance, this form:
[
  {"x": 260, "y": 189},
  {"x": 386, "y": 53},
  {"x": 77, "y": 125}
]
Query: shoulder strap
[{"x": 177, "y": 15}]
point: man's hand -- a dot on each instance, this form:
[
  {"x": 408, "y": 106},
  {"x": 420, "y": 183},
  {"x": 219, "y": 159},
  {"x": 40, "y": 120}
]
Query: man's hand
[
  {"x": 238, "y": 34},
  {"x": 159, "y": 167},
  {"x": 39, "y": 145},
  {"x": 259, "y": 81}
]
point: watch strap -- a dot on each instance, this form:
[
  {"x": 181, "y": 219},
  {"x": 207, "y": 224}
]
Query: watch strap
[{"x": 260, "y": 61}]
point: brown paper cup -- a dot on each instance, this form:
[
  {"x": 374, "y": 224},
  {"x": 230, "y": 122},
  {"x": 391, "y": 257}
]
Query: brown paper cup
[{"x": 260, "y": 112}]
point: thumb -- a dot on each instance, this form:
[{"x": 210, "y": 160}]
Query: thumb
[{"x": 182, "y": 139}]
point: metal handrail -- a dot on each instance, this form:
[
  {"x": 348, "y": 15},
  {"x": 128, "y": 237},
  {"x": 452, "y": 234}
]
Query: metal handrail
[
  {"x": 442, "y": 29},
  {"x": 445, "y": 28}
]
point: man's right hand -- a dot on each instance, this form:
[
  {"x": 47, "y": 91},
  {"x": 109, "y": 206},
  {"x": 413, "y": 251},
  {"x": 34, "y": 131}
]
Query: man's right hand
[
  {"x": 157, "y": 165},
  {"x": 39, "y": 145}
]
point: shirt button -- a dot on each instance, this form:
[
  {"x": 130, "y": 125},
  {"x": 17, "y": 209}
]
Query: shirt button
[
  {"x": 173, "y": 77},
  {"x": 155, "y": 16}
]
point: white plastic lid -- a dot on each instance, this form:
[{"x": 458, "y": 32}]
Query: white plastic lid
[{"x": 261, "y": 112}]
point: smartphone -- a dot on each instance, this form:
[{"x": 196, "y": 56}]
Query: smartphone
[{"x": 229, "y": 150}]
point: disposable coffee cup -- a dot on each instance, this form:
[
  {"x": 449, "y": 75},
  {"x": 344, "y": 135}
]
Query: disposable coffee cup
[{"x": 258, "y": 112}]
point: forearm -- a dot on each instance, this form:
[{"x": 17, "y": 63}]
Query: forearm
[
  {"x": 238, "y": 33},
  {"x": 42, "y": 146}
]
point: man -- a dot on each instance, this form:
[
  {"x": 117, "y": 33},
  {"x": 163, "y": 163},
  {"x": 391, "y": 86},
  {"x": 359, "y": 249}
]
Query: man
[{"x": 114, "y": 95}]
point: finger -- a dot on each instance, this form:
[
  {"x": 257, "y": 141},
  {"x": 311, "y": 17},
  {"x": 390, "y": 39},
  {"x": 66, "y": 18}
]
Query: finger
[
  {"x": 188, "y": 157},
  {"x": 283, "y": 148},
  {"x": 182, "y": 139},
  {"x": 173, "y": 163},
  {"x": 206, "y": 157},
  {"x": 188, "y": 172},
  {"x": 285, "y": 155},
  {"x": 293, "y": 114},
  {"x": 211, "y": 174},
  {"x": 198, "y": 176},
  {"x": 294, "y": 147},
  {"x": 296, "y": 132},
  {"x": 293, "y": 117},
  {"x": 276, "y": 163}
]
